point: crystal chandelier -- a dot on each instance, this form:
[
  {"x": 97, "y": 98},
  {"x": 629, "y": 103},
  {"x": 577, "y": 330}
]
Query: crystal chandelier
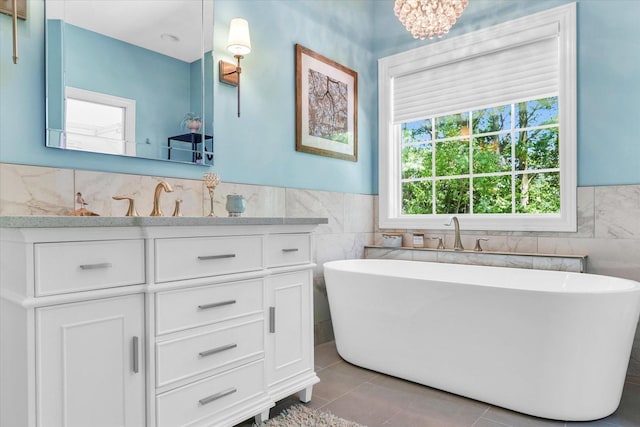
[{"x": 429, "y": 18}]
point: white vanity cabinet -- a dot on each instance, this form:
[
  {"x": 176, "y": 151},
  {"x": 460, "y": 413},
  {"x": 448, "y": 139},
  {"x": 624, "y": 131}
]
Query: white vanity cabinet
[
  {"x": 289, "y": 296},
  {"x": 72, "y": 327},
  {"x": 290, "y": 334},
  {"x": 205, "y": 324},
  {"x": 89, "y": 366}
]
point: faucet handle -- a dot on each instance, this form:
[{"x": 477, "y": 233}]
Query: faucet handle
[
  {"x": 440, "y": 243},
  {"x": 478, "y": 248},
  {"x": 176, "y": 210},
  {"x": 132, "y": 208}
]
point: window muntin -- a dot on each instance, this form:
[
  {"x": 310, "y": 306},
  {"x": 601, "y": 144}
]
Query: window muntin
[{"x": 472, "y": 166}]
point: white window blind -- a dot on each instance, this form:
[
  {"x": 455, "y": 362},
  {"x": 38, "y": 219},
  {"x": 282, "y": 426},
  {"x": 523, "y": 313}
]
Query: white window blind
[{"x": 525, "y": 67}]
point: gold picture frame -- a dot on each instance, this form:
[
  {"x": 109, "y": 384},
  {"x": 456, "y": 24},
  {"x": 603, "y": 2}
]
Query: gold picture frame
[{"x": 326, "y": 106}]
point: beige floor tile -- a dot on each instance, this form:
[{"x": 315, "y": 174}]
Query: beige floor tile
[
  {"x": 368, "y": 403},
  {"x": 436, "y": 408},
  {"x": 326, "y": 355},
  {"x": 317, "y": 403},
  {"x": 597, "y": 423},
  {"x": 483, "y": 422},
  {"x": 516, "y": 419},
  {"x": 340, "y": 378}
]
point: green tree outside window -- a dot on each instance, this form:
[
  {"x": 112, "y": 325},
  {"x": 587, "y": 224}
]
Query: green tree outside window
[{"x": 498, "y": 160}]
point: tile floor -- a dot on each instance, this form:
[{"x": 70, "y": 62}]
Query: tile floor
[{"x": 378, "y": 400}]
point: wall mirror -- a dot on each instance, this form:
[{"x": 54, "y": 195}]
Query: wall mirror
[{"x": 131, "y": 78}]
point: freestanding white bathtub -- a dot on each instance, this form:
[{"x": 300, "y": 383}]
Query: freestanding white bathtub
[{"x": 545, "y": 343}]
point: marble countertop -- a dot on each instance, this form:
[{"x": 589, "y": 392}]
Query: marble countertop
[{"x": 139, "y": 221}]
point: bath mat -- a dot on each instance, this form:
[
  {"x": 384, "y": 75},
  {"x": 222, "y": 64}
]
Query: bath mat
[{"x": 301, "y": 416}]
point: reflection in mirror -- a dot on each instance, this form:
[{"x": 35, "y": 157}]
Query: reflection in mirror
[
  {"x": 123, "y": 77},
  {"x": 99, "y": 123}
]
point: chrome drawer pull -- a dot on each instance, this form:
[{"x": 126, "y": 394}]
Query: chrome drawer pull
[
  {"x": 96, "y": 266},
  {"x": 216, "y": 396},
  {"x": 217, "y": 350},
  {"x": 216, "y": 304},
  {"x": 272, "y": 320},
  {"x": 290, "y": 250},
  {"x": 208, "y": 257},
  {"x": 136, "y": 362}
]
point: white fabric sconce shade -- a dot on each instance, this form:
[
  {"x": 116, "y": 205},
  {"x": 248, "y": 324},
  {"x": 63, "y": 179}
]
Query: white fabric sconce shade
[{"x": 239, "y": 42}]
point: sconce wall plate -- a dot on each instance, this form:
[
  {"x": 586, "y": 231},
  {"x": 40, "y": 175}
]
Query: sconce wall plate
[
  {"x": 16, "y": 9},
  {"x": 227, "y": 73},
  {"x": 6, "y": 7}
]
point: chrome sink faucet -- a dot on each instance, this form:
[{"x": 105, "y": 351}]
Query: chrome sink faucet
[
  {"x": 457, "y": 245},
  {"x": 156, "y": 197}
]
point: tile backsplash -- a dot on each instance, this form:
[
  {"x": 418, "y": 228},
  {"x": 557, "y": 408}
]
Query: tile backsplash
[
  {"x": 608, "y": 220},
  {"x": 33, "y": 190}
]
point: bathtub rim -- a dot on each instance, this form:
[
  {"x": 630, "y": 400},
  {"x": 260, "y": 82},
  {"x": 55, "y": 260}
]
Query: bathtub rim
[{"x": 627, "y": 285}]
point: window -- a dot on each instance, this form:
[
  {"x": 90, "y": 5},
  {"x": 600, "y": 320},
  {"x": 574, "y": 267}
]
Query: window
[
  {"x": 499, "y": 160},
  {"x": 482, "y": 126},
  {"x": 99, "y": 122}
]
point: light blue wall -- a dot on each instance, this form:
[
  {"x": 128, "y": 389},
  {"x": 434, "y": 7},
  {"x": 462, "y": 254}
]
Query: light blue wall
[
  {"x": 258, "y": 147},
  {"x": 608, "y": 75}
]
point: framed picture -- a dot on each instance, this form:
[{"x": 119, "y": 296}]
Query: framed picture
[{"x": 326, "y": 106}]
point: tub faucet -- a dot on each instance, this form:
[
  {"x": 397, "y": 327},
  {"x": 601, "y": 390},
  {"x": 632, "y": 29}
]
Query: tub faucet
[
  {"x": 457, "y": 246},
  {"x": 156, "y": 197}
]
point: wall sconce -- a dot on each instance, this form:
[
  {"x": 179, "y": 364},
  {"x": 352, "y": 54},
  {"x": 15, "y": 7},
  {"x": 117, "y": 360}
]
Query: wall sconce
[{"x": 239, "y": 44}]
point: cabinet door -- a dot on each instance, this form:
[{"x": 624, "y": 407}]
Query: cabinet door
[
  {"x": 90, "y": 363},
  {"x": 290, "y": 325}
]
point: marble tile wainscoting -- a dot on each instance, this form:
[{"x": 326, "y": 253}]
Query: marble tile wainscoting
[{"x": 608, "y": 220}]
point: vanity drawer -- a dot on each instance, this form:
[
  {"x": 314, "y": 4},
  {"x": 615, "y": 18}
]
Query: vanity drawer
[
  {"x": 64, "y": 267},
  {"x": 188, "y": 258},
  {"x": 206, "y": 351},
  {"x": 204, "y": 399},
  {"x": 188, "y": 308},
  {"x": 288, "y": 249}
]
